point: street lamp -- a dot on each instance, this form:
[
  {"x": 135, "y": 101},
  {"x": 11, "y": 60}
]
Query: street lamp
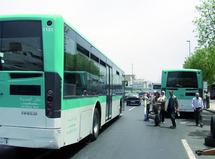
[
  {"x": 132, "y": 80},
  {"x": 189, "y": 47}
]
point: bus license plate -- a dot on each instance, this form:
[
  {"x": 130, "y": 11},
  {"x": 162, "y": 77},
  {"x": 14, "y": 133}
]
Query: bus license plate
[{"x": 3, "y": 141}]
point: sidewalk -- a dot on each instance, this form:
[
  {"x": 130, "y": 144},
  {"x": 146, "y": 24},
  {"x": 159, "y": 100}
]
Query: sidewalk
[{"x": 212, "y": 106}]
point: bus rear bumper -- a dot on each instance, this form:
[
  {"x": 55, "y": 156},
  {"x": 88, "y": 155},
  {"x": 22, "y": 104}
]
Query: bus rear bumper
[{"x": 30, "y": 137}]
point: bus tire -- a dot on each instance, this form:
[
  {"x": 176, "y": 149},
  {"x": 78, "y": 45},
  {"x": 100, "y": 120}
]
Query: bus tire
[
  {"x": 96, "y": 125},
  {"x": 213, "y": 126},
  {"x": 210, "y": 141}
]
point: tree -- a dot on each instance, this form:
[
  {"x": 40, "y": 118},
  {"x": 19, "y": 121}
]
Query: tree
[
  {"x": 206, "y": 23},
  {"x": 203, "y": 59}
]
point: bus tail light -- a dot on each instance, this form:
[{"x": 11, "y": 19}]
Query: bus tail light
[
  {"x": 49, "y": 98},
  {"x": 53, "y": 95},
  {"x": 49, "y": 102}
]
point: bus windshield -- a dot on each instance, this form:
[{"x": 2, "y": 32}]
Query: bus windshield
[
  {"x": 182, "y": 79},
  {"x": 21, "y": 45}
]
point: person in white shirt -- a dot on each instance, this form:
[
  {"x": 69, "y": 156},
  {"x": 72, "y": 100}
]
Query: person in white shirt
[
  {"x": 197, "y": 104},
  {"x": 147, "y": 101}
]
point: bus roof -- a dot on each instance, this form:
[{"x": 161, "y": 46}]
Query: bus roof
[
  {"x": 182, "y": 70},
  {"x": 28, "y": 16}
]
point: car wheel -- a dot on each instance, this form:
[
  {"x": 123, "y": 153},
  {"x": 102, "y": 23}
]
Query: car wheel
[{"x": 210, "y": 141}]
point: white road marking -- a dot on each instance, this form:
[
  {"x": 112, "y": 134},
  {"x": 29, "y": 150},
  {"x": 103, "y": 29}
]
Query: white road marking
[
  {"x": 131, "y": 108},
  {"x": 188, "y": 149}
]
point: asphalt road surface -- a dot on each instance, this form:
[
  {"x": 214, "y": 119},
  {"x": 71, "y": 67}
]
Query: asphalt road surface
[{"x": 129, "y": 137}]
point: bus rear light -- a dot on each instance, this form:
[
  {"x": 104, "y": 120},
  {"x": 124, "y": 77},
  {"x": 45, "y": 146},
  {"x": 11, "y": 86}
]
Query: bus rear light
[
  {"x": 49, "y": 105},
  {"x": 49, "y": 98},
  {"x": 53, "y": 94},
  {"x": 50, "y": 92}
]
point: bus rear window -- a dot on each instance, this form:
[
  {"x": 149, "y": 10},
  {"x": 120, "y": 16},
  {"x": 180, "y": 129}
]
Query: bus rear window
[
  {"x": 21, "y": 45},
  {"x": 182, "y": 80}
]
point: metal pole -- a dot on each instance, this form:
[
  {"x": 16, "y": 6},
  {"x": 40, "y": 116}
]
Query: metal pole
[
  {"x": 189, "y": 47},
  {"x": 132, "y": 80}
]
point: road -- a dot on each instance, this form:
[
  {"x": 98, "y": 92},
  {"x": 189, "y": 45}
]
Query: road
[{"x": 129, "y": 137}]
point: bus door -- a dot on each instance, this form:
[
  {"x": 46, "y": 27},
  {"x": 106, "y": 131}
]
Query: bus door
[{"x": 109, "y": 93}]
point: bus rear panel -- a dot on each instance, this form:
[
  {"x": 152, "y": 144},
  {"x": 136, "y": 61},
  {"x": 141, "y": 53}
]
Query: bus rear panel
[
  {"x": 26, "y": 117},
  {"x": 185, "y": 84}
]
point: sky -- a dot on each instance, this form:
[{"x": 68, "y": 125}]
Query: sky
[{"x": 150, "y": 35}]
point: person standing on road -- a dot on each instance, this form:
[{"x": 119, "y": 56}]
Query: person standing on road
[
  {"x": 206, "y": 100},
  {"x": 147, "y": 101},
  {"x": 197, "y": 104},
  {"x": 156, "y": 108},
  {"x": 162, "y": 101},
  {"x": 172, "y": 108}
]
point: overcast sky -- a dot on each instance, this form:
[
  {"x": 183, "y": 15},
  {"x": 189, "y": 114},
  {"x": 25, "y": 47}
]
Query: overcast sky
[{"x": 150, "y": 34}]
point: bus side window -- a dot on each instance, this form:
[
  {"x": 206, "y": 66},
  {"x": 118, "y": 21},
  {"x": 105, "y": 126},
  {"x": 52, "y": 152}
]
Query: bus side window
[{"x": 69, "y": 85}]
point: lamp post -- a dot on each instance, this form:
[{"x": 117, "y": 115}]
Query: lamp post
[
  {"x": 132, "y": 80},
  {"x": 189, "y": 47}
]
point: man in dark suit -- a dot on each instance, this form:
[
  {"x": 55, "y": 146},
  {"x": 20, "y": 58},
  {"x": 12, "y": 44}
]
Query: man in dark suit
[{"x": 172, "y": 108}]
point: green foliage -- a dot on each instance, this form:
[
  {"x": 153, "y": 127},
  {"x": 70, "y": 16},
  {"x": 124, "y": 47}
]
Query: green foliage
[
  {"x": 206, "y": 23},
  {"x": 78, "y": 62},
  {"x": 203, "y": 59}
]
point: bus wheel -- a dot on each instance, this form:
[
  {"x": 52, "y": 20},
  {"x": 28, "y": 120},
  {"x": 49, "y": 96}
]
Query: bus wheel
[{"x": 96, "y": 125}]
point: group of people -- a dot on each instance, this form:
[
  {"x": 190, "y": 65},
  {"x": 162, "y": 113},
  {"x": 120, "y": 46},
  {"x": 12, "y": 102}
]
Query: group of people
[{"x": 159, "y": 105}]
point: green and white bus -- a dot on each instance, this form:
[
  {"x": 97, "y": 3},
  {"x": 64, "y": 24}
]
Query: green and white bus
[
  {"x": 56, "y": 88},
  {"x": 185, "y": 83}
]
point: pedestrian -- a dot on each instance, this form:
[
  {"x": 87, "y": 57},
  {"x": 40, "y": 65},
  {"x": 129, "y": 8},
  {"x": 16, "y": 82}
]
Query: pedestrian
[
  {"x": 206, "y": 100},
  {"x": 147, "y": 101},
  {"x": 156, "y": 108},
  {"x": 172, "y": 108},
  {"x": 197, "y": 104},
  {"x": 162, "y": 101}
]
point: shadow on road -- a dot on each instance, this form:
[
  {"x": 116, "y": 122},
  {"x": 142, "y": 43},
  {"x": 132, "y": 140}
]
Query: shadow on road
[
  {"x": 199, "y": 133},
  {"x": 7, "y": 152}
]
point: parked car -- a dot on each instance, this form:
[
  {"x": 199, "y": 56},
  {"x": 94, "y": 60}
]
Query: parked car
[{"x": 133, "y": 100}]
